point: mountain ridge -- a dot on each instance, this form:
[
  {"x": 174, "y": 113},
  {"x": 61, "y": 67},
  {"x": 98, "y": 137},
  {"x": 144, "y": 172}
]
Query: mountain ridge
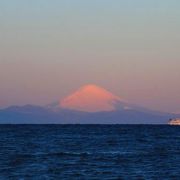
[
  {"x": 42, "y": 115},
  {"x": 81, "y": 108}
]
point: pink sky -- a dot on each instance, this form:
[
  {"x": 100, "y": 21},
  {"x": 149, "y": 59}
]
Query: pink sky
[{"x": 48, "y": 50}]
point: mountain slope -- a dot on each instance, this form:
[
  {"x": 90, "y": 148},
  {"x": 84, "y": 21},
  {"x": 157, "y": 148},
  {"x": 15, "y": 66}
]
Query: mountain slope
[{"x": 90, "y": 98}]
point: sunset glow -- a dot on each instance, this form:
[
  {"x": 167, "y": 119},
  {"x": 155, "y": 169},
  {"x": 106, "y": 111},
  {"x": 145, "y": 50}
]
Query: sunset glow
[{"x": 131, "y": 48}]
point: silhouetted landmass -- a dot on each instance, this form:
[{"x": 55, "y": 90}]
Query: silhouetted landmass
[{"x": 30, "y": 114}]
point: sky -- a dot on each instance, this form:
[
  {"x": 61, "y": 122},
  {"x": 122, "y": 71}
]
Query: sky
[{"x": 48, "y": 49}]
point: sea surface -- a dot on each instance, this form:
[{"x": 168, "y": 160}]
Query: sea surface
[{"x": 41, "y": 152}]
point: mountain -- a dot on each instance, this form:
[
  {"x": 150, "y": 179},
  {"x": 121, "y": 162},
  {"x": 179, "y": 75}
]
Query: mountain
[
  {"x": 90, "y": 98},
  {"x": 88, "y": 105}
]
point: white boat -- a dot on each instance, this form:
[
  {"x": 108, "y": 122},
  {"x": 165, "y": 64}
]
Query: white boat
[{"x": 174, "y": 121}]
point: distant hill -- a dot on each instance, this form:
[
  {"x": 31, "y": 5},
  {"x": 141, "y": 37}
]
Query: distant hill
[{"x": 30, "y": 114}]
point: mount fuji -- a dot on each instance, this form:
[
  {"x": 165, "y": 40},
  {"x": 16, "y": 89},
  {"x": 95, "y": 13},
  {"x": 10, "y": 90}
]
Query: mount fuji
[
  {"x": 91, "y": 98},
  {"x": 88, "y": 105}
]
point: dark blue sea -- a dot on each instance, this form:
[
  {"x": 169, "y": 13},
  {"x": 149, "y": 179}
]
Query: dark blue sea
[{"x": 41, "y": 152}]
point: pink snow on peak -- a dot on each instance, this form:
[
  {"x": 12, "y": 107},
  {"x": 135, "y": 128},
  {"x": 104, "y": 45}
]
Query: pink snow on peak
[{"x": 90, "y": 98}]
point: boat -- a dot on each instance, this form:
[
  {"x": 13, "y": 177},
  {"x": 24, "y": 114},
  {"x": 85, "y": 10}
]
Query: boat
[{"x": 174, "y": 121}]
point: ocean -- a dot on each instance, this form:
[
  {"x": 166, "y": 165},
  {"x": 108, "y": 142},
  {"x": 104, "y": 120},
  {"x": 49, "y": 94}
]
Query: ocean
[{"x": 41, "y": 152}]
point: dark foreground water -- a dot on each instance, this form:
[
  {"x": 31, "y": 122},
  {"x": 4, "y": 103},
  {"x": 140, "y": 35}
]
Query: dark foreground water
[{"x": 89, "y": 152}]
